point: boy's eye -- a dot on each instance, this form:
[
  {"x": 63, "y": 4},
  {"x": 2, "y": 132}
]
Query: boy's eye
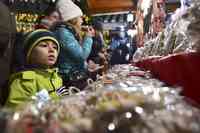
[
  {"x": 55, "y": 47},
  {"x": 48, "y": 44},
  {"x": 43, "y": 45}
]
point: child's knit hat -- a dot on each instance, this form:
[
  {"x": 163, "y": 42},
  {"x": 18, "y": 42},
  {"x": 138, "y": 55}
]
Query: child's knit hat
[
  {"x": 68, "y": 10},
  {"x": 33, "y": 39}
]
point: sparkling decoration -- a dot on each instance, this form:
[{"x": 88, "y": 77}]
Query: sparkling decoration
[{"x": 133, "y": 102}]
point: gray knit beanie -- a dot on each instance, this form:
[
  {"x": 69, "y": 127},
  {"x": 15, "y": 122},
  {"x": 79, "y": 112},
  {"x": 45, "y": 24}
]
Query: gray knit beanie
[{"x": 68, "y": 10}]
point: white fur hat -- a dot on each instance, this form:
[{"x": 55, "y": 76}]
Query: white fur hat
[{"x": 68, "y": 10}]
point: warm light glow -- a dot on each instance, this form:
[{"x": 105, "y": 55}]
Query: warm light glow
[
  {"x": 111, "y": 126},
  {"x": 128, "y": 115},
  {"x": 139, "y": 110}
]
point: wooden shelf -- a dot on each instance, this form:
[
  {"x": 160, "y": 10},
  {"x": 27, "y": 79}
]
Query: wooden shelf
[{"x": 103, "y": 6}]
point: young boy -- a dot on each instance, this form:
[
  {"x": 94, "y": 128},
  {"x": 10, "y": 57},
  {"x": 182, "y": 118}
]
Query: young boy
[{"x": 41, "y": 51}]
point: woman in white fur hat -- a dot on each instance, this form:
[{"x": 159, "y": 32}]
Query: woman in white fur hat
[{"x": 75, "y": 48}]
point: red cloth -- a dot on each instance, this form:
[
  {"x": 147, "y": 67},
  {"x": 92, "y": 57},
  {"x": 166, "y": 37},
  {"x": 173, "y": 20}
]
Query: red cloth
[{"x": 177, "y": 70}]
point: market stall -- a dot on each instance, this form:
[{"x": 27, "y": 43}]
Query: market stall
[{"x": 157, "y": 93}]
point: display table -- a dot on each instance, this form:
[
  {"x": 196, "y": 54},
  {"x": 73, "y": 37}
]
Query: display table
[
  {"x": 177, "y": 70},
  {"x": 133, "y": 102}
]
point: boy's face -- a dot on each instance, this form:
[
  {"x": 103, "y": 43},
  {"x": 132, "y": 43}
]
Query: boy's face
[{"x": 45, "y": 53}]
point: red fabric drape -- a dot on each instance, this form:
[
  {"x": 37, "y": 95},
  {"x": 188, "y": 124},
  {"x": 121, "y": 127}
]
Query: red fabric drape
[{"x": 177, "y": 70}]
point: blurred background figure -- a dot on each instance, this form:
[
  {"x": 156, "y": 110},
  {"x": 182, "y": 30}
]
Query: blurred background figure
[
  {"x": 97, "y": 59},
  {"x": 121, "y": 47},
  {"x": 48, "y": 21},
  {"x": 52, "y": 17}
]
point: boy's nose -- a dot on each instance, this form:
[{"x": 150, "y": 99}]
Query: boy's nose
[{"x": 51, "y": 47}]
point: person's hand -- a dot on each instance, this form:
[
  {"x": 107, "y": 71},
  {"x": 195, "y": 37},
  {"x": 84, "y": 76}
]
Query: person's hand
[
  {"x": 89, "y": 31},
  {"x": 92, "y": 66}
]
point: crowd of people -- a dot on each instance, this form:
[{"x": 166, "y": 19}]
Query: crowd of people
[{"x": 61, "y": 53}]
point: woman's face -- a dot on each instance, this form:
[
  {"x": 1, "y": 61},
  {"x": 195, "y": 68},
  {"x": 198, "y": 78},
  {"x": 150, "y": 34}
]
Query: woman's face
[
  {"x": 79, "y": 21},
  {"x": 45, "y": 53}
]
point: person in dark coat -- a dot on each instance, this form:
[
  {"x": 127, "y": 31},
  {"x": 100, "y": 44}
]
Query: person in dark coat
[{"x": 120, "y": 47}]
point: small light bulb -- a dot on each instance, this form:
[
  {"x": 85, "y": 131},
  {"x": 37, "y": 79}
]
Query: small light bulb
[
  {"x": 111, "y": 127},
  {"x": 139, "y": 110},
  {"x": 128, "y": 115},
  {"x": 16, "y": 116},
  {"x": 130, "y": 17}
]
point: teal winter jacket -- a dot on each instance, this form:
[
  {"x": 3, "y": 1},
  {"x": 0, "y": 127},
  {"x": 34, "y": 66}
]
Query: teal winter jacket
[{"x": 72, "y": 55}]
